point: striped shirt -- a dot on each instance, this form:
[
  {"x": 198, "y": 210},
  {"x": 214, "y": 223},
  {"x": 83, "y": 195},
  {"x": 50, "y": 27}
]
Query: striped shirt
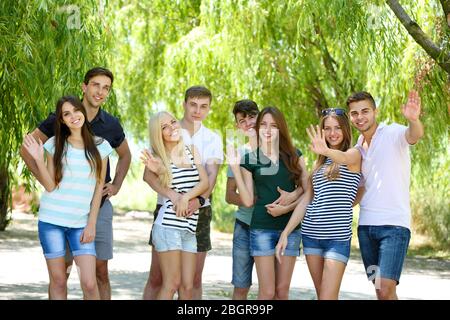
[
  {"x": 329, "y": 216},
  {"x": 183, "y": 180},
  {"x": 69, "y": 204}
]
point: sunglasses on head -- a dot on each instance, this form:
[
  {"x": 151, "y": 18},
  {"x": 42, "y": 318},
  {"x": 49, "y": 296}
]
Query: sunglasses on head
[{"x": 336, "y": 111}]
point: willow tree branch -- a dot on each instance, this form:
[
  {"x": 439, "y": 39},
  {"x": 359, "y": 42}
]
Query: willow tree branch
[
  {"x": 436, "y": 53},
  {"x": 446, "y": 7}
]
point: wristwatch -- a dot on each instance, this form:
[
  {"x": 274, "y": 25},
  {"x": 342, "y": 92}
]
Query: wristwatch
[{"x": 201, "y": 200}]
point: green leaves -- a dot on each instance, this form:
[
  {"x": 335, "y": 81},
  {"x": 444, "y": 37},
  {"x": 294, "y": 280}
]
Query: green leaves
[{"x": 301, "y": 56}]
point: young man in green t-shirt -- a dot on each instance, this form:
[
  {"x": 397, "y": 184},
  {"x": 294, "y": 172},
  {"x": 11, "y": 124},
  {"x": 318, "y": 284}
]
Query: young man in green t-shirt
[{"x": 245, "y": 113}]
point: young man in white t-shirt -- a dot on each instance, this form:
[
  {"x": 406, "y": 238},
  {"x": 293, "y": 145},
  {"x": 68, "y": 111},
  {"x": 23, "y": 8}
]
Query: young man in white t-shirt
[
  {"x": 385, "y": 214},
  {"x": 197, "y": 104}
]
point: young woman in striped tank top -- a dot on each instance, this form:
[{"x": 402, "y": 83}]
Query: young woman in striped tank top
[
  {"x": 179, "y": 168},
  {"x": 327, "y": 224},
  {"x": 73, "y": 179}
]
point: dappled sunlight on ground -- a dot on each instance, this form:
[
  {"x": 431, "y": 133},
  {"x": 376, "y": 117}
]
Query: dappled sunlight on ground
[{"x": 23, "y": 273}]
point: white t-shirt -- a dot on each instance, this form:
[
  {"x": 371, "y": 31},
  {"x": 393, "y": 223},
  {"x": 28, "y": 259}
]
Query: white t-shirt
[
  {"x": 386, "y": 170},
  {"x": 209, "y": 145}
]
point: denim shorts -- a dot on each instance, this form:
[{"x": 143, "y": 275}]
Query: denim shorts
[
  {"x": 242, "y": 260},
  {"x": 263, "y": 242},
  {"x": 167, "y": 239},
  {"x": 383, "y": 250},
  {"x": 54, "y": 238},
  {"x": 328, "y": 249}
]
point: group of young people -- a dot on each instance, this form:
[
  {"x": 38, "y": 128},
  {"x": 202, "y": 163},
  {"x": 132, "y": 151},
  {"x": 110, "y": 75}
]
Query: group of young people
[{"x": 281, "y": 206}]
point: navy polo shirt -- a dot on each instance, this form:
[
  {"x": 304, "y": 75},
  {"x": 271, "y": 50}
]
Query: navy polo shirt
[{"x": 103, "y": 125}]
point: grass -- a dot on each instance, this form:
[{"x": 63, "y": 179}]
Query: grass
[{"x": 422, "y": 246}]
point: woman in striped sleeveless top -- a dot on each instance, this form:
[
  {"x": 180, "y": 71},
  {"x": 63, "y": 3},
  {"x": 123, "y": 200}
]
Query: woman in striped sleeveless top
[
  {"x": 327, "y": 224},
  {"x": 179, "y": 168},
  {"x": 73, "y": 179}
]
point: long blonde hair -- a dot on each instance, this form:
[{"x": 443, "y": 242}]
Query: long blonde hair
[
  {"x": 332, "y": 171},
  {"x": 158, "y": 148}
]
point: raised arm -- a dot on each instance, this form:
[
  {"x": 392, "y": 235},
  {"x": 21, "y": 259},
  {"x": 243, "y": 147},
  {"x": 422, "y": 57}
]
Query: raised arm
[
  {"x": 46, "y": 173},
  {"x": 242, "y": 177},
  {"x": 351, "y": 157},
  {"x": 411, "y": 111},
  {"x": 153, "y": 168},
  {"x": 28, "y": 159},
  {"x": 231, "y": 196}
]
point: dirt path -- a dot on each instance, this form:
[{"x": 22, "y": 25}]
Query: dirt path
[{"x": 23, "y": 273}]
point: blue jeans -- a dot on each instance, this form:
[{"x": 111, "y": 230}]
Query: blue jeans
[
  {"x": 263, "y": 242},
  {"x": 242, "y": 260},
  {"x": 53, "y": 241},
  {"x": 383, "y": 250},
  {"x": 328, "y": 249}
]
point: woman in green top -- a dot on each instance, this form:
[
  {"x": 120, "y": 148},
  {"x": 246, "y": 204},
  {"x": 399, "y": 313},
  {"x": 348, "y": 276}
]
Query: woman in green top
[{"x": 278, "y": 172}]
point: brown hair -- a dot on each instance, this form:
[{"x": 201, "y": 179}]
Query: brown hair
[
  {"x": 288, "y": 153},
  {"x": 98, "y": 71},
  {"x": 62, "y": 132},
  {"x": 360, "y": 96},
  {"x": 332, "y": 171},
  {"x": 197, "y": 92},
  {"x": 245, "y": 107}
]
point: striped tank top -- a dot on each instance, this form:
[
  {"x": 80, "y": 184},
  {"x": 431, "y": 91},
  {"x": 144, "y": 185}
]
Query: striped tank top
[
  {"x": 183, "y": 180},
  {"x": 330, "y": 214}
]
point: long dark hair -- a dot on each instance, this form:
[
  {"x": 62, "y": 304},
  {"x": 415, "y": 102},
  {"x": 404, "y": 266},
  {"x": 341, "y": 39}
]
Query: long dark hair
[
  {"x": 288, "y": 153},
  {"x": 62, "y": 132}
]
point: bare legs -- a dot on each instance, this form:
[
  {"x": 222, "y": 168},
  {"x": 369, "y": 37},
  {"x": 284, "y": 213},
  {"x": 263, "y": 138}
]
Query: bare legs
[
  {"x": 274, "y": 278},
  {"x": 58, "y": 277},
  {"x": 327, "y": 276}
]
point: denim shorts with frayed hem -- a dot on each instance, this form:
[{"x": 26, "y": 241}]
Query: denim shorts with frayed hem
[
  {"x": 168, "y": 239},
  {"x": 263, "y": 242},
  {"x": 327, "y": 248},
  {"x": 54, "y": 238}
]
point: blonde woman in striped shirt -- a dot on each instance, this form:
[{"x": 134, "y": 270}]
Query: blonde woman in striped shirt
[{"x": 179, "y": 168}]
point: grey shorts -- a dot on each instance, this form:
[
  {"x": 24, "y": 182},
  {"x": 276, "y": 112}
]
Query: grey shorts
[{"x": 103, "y": 234}]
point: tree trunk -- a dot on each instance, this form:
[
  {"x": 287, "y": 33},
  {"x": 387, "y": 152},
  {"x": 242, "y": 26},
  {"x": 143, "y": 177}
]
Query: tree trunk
[
  {"x": 4, "y": 198},
  {"x": 438, "y": 55},
  {"x": 446, "y": 7}
]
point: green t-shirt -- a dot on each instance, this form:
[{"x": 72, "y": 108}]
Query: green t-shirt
[{"x": 267, "y": 176}]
